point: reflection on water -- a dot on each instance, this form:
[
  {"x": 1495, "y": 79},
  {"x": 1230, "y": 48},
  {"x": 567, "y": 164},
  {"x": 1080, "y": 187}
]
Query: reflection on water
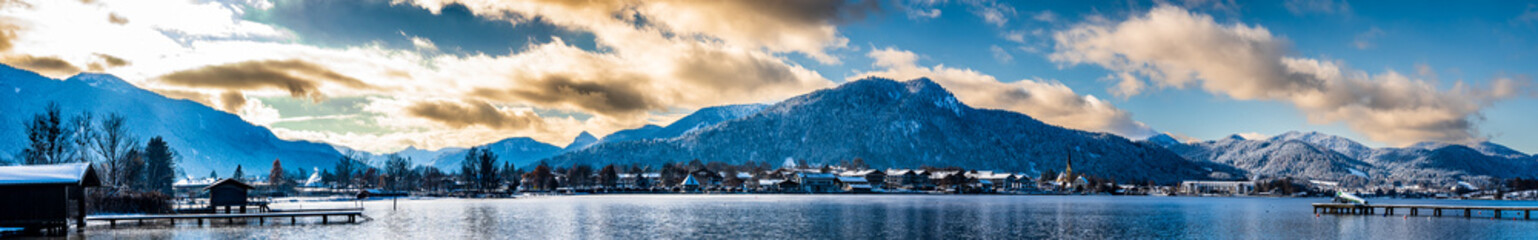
[{"x": 854, "y": 217}]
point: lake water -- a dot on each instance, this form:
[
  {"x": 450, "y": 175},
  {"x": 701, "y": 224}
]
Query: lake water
[{"x": 854, "y": 217}]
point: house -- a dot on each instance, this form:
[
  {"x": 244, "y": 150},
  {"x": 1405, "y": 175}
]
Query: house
[
  {"x": 1217, "y": 187},
  {"x": 1000, "y": 181},
  {"x": 876, "y": 178},
  {"x": 854, "y": 184},
  {"x": 707, "y": 178},
  {"x": 908, "y": 179},
  {"x": 766, "y": 185},
  {"x": 690, "y": 184},
  {"x": 817, "y": 182},
  {"x": 38, "y": 197},
  {"x": 228, "y": 193}
]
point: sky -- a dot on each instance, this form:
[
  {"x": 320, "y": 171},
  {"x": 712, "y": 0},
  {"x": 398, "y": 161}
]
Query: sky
[{"x": 382, "y": 75}]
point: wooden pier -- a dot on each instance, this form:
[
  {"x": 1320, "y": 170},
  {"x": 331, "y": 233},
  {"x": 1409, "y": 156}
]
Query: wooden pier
[
  {"x": 293, "y": 216},
  {"x": 1416, "y": 210}
]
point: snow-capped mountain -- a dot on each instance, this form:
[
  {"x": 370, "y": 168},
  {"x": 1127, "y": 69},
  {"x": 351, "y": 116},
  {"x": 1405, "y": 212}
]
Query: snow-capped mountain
[
  {"x": 694, "y": 121},
  {"x": 903, "y": 124},
  {"x": 1316, "y": 155},
  {"x": 1276, "y": 157},
  {"x": 1486, "y": 148},
  {"x": 205, "y": 139}
]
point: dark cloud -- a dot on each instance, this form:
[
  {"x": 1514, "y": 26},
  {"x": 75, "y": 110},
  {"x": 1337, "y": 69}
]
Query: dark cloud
[
  {"x": 733, "y": 71},
  {"x": 115, "y": 19},
  {"x": 50, "y": 66},
  {"x": 232, "y": 101},
  {"x": 7, "y": 34},
  {"x": 610, "y": 96},
  {"x": 109, "y": 61},
  {"x": 460, "y": 115},
  {"x": 300, "y": 78}
]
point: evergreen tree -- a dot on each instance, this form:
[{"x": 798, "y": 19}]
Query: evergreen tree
[
  {"x": 343, "y": 173},
  {"x": 608, "y": 177},
  {"x": 213, "y": 174},
  {"x": 238, "y": 175}
]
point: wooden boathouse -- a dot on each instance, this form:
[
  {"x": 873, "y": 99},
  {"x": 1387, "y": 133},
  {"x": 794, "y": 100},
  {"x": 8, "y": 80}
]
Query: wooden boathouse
[{"x": 42, "y": 198}]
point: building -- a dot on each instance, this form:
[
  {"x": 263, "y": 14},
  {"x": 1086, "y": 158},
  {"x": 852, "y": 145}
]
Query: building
[
  {"x": 707, "y": 178},
  {"x": 689, "y": 184},
  {"x": 1066, "y": 179},
  {"x": 228, "y": 193},
  {"x": 817, "y": 182},
  {"x": 1217, "y": 187},
  {"x": 854, "y": 184},
  {"x": 41, "y": 197},
  {"x": 1000, "y": 181},
  {"x": 908, "y": 179},
  {"x": 876, "y": 178}
]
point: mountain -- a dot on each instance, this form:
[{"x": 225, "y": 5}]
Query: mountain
[
  {"x": 1163, "y": 140},
  {"x": 205, "y": 139},
  {"x": 1277, "y": 157},
  {"x": 694, "y": 121},
  {"x": 1486, "y": 148},
  {"x": 582, "y": 141},
  {"x": 1316, "y": 155},
  {"x": 906, "y": 125}
]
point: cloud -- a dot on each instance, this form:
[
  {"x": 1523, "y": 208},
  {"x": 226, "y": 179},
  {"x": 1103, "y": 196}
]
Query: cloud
[
  {"x": 1173, "y": 47},
  {"x": 921, "y": 9},
  {"x": 232, "y": 101},
  {"x": 107, "y": 61},
  {"x": 1049, "y": 101},
  {"x": 992, "y": 12},
  {"x": 300, "y": 78},
  {"x": 462, "y": 115},
  {"x": 1364, "y": 40},
  {"x": 116, "y": 19},
  {"x": 1000, "y": 54},
  {"x": 1046, "y": 16},
  {"x": 1305, "y": 7},
  {"x": 805, "y": 26},
  {"x": 1528, "y": 16},
  {"x": 45, "y": 65},
  {"x": 611, "y": 97}
]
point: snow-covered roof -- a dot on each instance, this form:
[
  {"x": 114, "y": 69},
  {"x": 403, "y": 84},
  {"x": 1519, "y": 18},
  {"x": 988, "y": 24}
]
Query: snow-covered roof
[
  {"x": 69, "y": 173},
  {"x": 770, "y": 181},
  {"x": 689, "y": 181},
  {"x": 852, "y": 180}
]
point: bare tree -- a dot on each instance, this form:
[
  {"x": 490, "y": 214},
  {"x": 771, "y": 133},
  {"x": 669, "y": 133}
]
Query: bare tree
[{"x": 113, "y": 143}]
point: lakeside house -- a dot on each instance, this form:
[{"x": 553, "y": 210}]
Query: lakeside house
[
  {"x": 44, "y": 197},
  {"x": 875, "y": 178},
  {"x": 854, "y": 184},
  {"x": 816, "y": 182},
  {"x": 1217, "y": 187},
  {"x": 908, "y": 179}
]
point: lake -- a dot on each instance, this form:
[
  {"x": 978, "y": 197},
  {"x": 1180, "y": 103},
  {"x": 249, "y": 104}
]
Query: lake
[{"x": 853, "y": 217}]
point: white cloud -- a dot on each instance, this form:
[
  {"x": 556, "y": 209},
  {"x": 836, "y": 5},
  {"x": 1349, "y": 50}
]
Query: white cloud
[
  {"x": 1364, "y": 40},
  {"x": 1253, "y": 136},
  {"x": 1048, "y": 101},
  {"x": 1045, "y": 16},
  {"x": 1000, "y": 54},
  {"x": 1305, "y": 7},
  {"x": 1173, "y": 47}
]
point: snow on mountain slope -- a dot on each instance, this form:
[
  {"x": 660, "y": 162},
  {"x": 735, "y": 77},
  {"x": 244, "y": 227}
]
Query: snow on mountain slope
[
  {"x": 206, "y": 139},
  {"x": 902, "y": 124}
]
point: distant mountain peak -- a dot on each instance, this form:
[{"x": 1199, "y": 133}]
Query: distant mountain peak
[
  {"x": 1163, "y": 140},
  {"x": 103, "y": 81},
  {"x": 583, "y": 140}
]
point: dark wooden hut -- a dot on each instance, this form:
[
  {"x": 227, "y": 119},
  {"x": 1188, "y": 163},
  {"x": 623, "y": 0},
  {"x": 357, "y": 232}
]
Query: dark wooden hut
[
  {"x": 44, "y": 197},
  {"x": 228, "y": 193}
]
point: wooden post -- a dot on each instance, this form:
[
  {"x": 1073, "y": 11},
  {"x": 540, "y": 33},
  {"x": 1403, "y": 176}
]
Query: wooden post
[
  {"x": 1466, "y": 212},
  {"x": 1527, "y": 214},
  {"x": 292, "y": 220},
  {"x": 80, "y": 208},
  {"x": 1497, "y": 213},
  {"x": 200, "y": 221},
  {"x": 113, "y": 222},
  {"x": 325, "y": 219},
  {"x": 1437, "y": 212}
]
